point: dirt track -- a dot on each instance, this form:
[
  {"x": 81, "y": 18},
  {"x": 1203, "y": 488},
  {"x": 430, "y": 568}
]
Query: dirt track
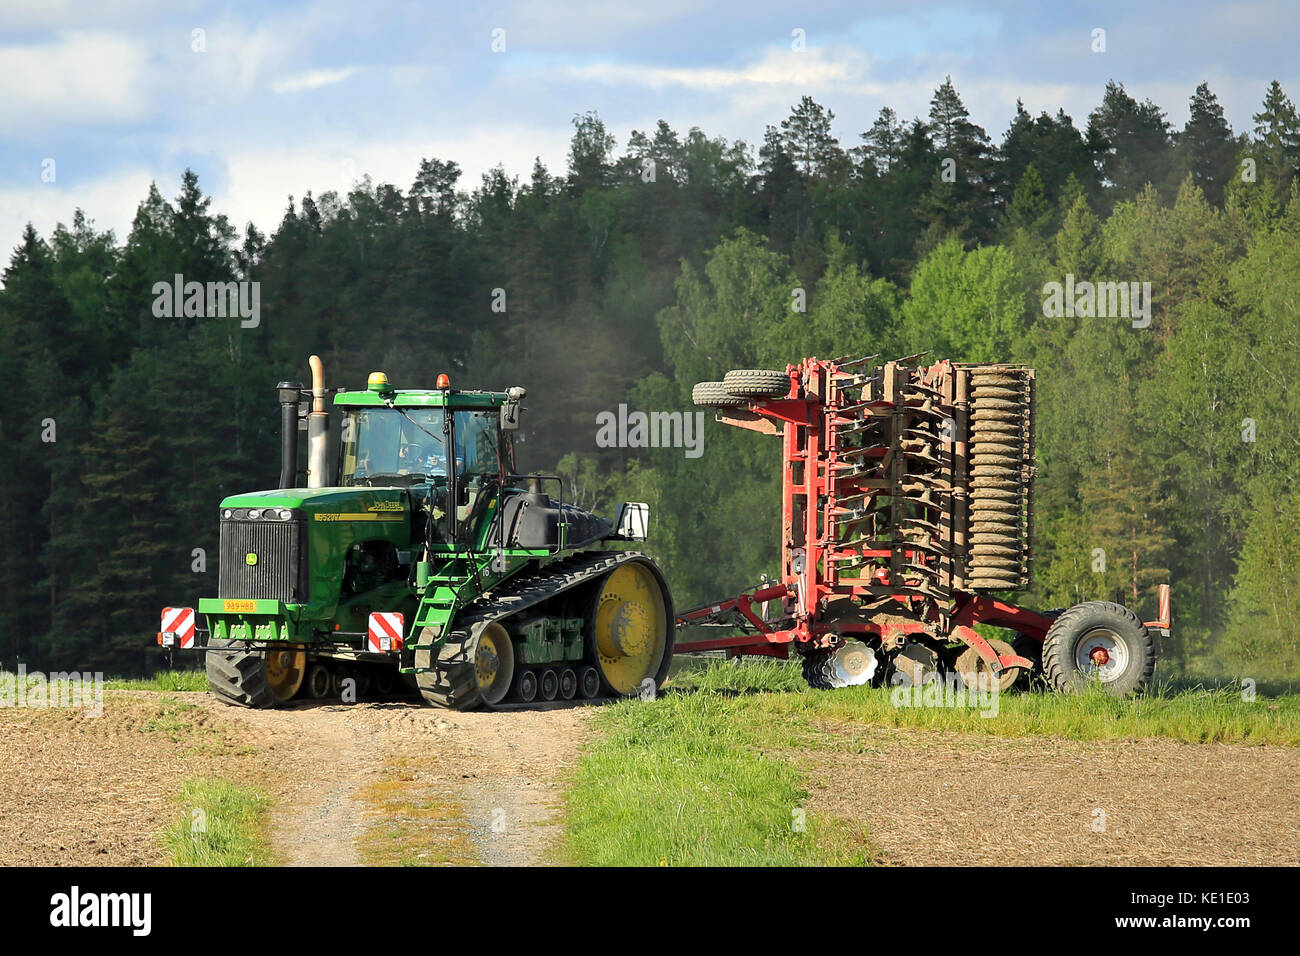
[
  {"x": 428, "y": 786},
  {"x": 95, "y": 791}
]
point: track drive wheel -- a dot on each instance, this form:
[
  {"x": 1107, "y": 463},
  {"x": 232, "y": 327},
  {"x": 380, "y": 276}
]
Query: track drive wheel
[
  {"x": 630, "y": 629},
  {"x": 254, "y": 678},
  {"x": 468, "y": 671}
]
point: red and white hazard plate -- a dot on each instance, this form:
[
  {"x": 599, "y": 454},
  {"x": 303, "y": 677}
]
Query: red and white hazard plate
[
  {"x": 385, "y": 632},
  {"x": 177, "y": 628}
]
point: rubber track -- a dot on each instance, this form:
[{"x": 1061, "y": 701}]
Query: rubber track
[
  {"x": 454, "y": 684},
  {"x": 238, "y": 676}
]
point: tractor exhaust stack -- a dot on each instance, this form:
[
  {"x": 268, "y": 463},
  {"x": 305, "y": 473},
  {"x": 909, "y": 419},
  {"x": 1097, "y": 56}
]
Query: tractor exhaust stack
[
  {"x": 290, "y": 393},
  {"x": 317, "y": 427}
]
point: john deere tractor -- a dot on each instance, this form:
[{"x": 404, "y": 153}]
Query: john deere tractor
[{"x": 426, "y": 564}]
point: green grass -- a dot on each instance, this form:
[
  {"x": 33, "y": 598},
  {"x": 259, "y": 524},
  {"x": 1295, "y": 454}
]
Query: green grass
[
  {"x": 222, "y": 824},
  {"x": 162, "y": 681},
  {"x": 684, "y": 781},
  {"x": 1196, "y": 712},
  {"x": 698, "y": 777}
]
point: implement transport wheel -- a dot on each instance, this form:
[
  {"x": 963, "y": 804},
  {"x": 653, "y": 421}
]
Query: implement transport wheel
[
  {"x": 237, "y": 675},
  {"x": 630, "y": 629},
  {"x": 975, "y": 673},
  {"x": 756, "y": 383},
  {"x": 1102, "y": 642},
  {"x": 714, "y": 395}
]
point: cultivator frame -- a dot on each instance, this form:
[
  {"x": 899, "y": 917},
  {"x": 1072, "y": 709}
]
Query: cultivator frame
[{"x": 907, "y": 496}]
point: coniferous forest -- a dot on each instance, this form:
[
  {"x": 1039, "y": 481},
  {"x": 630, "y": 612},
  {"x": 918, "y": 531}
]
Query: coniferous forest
[{"x": 646, "y": 265}]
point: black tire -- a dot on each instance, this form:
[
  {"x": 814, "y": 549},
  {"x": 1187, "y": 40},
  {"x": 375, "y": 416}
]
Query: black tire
[
  {"x": 1113, "y": 628},
  {"x": 549, "y": 685},
  {"x": 588, "y": 682},
  {"x": 238, "y": 676},
  {"x": 756, "y": 383},
  {"x": 317, "y": 683},
  {"x": 526, "y": 686},
  {"x": 568, "y": 684},
  {"x": 384, "y": 680},
  {"x": 341, "y": 673},
  {"x": 714, "y": 395}
]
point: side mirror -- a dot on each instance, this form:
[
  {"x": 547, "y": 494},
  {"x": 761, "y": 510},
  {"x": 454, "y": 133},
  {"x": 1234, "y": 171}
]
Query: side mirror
[{"x": 633, "y": 521}]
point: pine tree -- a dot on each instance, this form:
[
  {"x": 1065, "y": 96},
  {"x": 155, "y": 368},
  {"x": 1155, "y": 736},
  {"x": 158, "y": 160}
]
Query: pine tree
[
  {"x": 961, "y": 199},
  {"x": 1131, "y": 143},
  {"x": 1276, "y": 144},
  {"x": 807, "y": 138},
  {"x": 1206, "y": 150},
  {"x": 1029, "y": 209}
]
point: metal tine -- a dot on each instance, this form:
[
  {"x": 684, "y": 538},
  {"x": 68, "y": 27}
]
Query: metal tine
[
  {"x": 861, "y": 361},
  {"x": 855, "y": 515},
  {"x": 859, "y": 496},
  {"x": 934, "y": 480},
  {"x": 858, "y": 452},
  {"x": 855, "y": 408},
  {"x": 921, "y": 456},
  {"x": 842, "y": 431},
  {"x": 911, "y": 358},
  {"x": 930, "y": 527}
]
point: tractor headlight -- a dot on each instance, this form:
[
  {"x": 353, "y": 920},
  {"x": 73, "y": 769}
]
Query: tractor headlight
[
  {"x": 255, "y": 514},
  {"x": 284, "y": 514},
  {"x": 227, "y": 514}
]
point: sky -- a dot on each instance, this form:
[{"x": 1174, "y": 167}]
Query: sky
[{"x": 274, "y": 98}]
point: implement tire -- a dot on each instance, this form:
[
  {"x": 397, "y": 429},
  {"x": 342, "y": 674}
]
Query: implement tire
[
  {"x": 714, "y": 395},
  {"x": 1099, "y": 641},
  {"x": 757, "y": 383}
]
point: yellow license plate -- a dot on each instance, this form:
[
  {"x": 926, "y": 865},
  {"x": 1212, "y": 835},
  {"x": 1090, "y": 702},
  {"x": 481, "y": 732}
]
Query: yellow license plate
[{"x": 243, "y": 607}]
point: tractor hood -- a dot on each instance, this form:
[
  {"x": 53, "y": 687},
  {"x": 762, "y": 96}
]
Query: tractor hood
[{"x": 340, "y": 504}]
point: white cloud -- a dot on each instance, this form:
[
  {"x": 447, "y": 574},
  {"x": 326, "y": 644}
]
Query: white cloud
[
  {"x": 312, "y": 80},
  {"x": 79, "y": 77},
  {"x": 110, "y": 202},
  {"x": 259, "y": 181},
  {"x": 812, "y": 69}
]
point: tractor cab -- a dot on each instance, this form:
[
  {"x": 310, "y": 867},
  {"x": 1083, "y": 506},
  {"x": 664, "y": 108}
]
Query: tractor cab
[{"x": 442, "y": 445}]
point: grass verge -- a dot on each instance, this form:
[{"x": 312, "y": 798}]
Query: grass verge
[
  {"x": 1195, "y": 712},
  {"x": 163, "y": 680},
  {"x": 223, "y": 825},
  {"x": 684, "y": 781}
]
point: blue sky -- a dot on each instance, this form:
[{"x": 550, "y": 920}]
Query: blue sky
[{"x": 312, "y": 94}]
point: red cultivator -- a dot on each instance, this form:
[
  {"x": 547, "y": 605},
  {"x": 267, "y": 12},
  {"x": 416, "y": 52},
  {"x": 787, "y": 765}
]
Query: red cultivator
[{"x": 907, "y": 503}]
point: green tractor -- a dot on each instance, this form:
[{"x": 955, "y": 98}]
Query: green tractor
[{"x": 428, "y": 564}]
